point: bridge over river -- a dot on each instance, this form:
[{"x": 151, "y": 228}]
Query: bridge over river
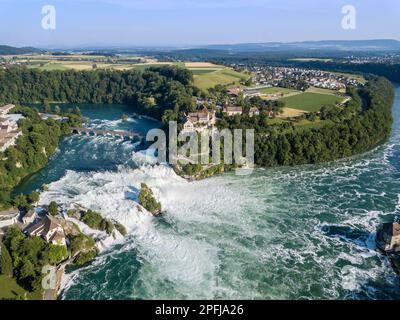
[{"x": 113, "y": 133}]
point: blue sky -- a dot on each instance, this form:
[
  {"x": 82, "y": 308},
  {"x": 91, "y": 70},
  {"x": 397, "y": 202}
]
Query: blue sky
[{"x": 190, "y": 22}]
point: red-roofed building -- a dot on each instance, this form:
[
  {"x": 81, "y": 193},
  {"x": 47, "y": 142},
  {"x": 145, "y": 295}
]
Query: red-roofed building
[{"x": 48, "y": 228}]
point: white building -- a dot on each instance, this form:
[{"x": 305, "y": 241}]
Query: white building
[
  {"x": 188, "y": 126},
  {"x": 199, "y": 121},
  {"x": 233, "y": 110},
  {"x": 29, "y": 217},
  {"x": 9, "y": 132},
  {"x": 254, "y": 112},
  {"x": 50, "y": 229}
]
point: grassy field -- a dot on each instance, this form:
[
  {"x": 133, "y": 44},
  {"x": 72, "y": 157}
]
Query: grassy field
[
  {"x": 144, "y": 66},
  {"x": 84, "y": 62},
  {"x": 290, "y": 112},
  {"x": 48, "y": 66},
  {"x": 87, "y": 65},
  {"x": 9, "y": 289},
  {"x": 206, "y": 75},
  {"x": 306, "y": 124},
  {"x": 276, "y": 90},
  {"x": 323, "y": 91},
  {"x": 311, "y": 102},
  {"x": 205, "y": 78}
]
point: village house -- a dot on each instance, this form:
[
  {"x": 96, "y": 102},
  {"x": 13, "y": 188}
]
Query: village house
[
  {"x": 232, "y": 110},
  {"x": 48, "y": 228},
  {"x": 188, "y": 126},
  {"x": 234, "y": 92},
  {"x": 7, "y": 137},
  {"x": 8, "y": 127},
  {"x": 254, "y": 112},
  {"x": 252, "y": 93},
  {"x": 199, "y": 121},
  {"x": 29, "y": 217}
]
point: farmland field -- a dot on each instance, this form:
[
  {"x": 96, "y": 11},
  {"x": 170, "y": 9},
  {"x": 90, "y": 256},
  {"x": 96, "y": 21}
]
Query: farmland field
[
  {"x": 324, "y": 91},
  {"x": 289, "y": 112},
  {"x": 311, "y": 102},
  {"x": 191, "y": 65},
  {"x": 206, "y": 74},
  {"x": 276, "y": 90},
  {"x": 144, "y": 66},
  {"x": 48, "y": 66},
  {"x": 205, "y": 78}
]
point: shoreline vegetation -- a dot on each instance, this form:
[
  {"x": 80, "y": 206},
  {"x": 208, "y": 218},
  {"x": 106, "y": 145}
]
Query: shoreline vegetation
[
  {"x": 333, "y": 133},
  {"x": 148, "y": 201},
  {"x": 23, "y": 258},
  {"x": 163, "y": 93},
  {"x": 38, "y": 142},
  {"x": 167, "y": 92}
]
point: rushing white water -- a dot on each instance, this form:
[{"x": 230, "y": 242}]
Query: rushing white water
[{"x": 285, "y": 233}]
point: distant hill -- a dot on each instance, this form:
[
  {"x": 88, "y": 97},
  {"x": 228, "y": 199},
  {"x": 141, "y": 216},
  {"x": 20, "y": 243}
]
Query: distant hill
[
  {"x": 326, "y": 45},
  {"x": 7, "y": 50}
]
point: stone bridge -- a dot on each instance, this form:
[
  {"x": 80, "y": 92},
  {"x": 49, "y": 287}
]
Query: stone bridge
[{"x": 113, "y": 133}]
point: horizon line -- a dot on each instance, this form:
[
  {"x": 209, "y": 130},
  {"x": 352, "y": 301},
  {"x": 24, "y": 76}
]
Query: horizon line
[{"x": 128, "y": 46}]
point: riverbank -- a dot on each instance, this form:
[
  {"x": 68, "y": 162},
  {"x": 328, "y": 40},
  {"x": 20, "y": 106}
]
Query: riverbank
[
  {"x": 228, "y": 237},
  {"x": 38, "y": 142}
]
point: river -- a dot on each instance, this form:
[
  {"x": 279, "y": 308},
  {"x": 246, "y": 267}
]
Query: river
[{"x": 284, "y": 233}]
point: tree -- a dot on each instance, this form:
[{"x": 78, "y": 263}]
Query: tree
[
  {"x": 33, "y": 197},
  {"x": 57, "y": 110},
  {"x": 55, "y": 254},
  {"x": 6, "y": 265},
  {"x": 46, "y": 106},
  {"x": 76, "y": 111},
  {"x": 151, "y": 102},
  {"x": 27, "y": 270},
  {"x": 53, "y": 208},
  {"x": 27, "y": 156},
  {"x": 92, "y": 219},
  {"x": 148, "y": 201},
  {"x": 21, "y": 203}
]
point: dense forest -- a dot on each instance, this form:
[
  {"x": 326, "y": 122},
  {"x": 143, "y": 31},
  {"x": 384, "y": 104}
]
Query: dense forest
[
  {"x": 150, "y": 92},
  {"x": 38, "y": 142},
  {"x": 26, "y": 257},
  {"x": 363, "y": 124},
  {"x": 8, "y": 50},
  {"x": 164, "y": 92}
]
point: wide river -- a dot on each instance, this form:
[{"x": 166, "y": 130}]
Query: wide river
[{"x": 284, "y": 233}]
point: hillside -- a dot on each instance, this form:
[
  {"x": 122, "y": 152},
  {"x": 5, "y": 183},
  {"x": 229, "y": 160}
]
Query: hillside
[{"x": 7, "y": 50}]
